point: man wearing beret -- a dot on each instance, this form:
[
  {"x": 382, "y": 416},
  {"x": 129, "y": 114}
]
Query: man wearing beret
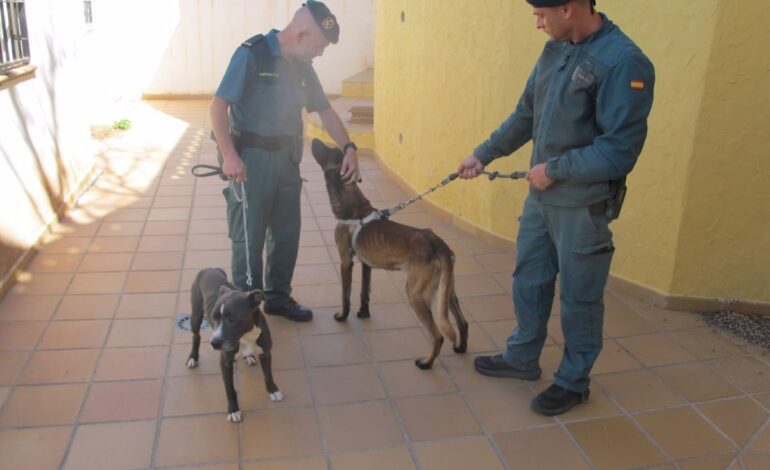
[
  {"x": 585, "y": 108},
  {"x": 257, "y": 122}
]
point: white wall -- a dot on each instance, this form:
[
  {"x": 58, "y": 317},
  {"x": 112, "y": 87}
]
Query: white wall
[{"x": 182, "y": 47}]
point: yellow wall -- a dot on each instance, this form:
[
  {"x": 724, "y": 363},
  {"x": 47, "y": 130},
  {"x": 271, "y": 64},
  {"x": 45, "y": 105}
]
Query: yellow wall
[{"x": 448, "y": 74}]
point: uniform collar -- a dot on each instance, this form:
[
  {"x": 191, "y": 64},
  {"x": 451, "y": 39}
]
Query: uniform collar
[{"x": 272, "y": 43}]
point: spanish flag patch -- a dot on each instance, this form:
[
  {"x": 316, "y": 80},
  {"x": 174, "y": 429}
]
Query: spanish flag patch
[{"x": 637, "y": 85}]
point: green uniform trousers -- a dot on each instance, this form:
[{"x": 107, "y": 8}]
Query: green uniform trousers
[{"x": 273, "y": 189}]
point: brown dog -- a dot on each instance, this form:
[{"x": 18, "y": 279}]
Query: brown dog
[{"x": 382, "y": 243}]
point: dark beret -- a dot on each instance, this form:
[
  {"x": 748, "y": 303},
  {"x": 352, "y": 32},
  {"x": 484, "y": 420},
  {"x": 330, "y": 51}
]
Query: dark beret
[
  {"x": 551, "y": 3},
  {"x": 325, "y": 20}
]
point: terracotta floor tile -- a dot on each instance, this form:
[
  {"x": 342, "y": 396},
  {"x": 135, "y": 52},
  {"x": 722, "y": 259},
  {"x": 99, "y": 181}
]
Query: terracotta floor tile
[
  {"x": 329, "y": 350},
  {"x": 351, "y": 426},
  {"x": 322, "y": 295},
  {"x": 180, "y": 214},
  {"x": 197, "y": 439},
  {"x": 208, "y": 258},
  {"x": 157, "y": 261},
  {"x": 402, "y": 378},
  {"x": 161, "y": 243},
  {"x": 542, "y": 448},
  {"x": 668, "y": 320},
  {"x": 343, "y": 384},
  {"x": 499, "y": 331},
  {"x": 279, "y": 433},
  {"x": 172, "y": 202},
  {"x": 127, "y": 215},
  {"x": 709, "y": 462},
  {"x": 682, "y": 433},
  {"x": 11, "y": 363},
  {"x": 614, "y": 358},
  {"x": 42, "y": 405},
  {"x": 87, "y": 307},
  {"x": 488, "y": 308},
  {"x": 460, "y": 369},
  {"x": 303, "y": 463},
  {"x": 147, "y": 305},
  {"x": 73, "y": 334},
  {"x": 460, "y": 454},
  {"x": 176, "y": 190},
  {"x": 207, "y": 213},
  {"x": 312, "y": 255},
  {"x": 761, "y": 442},
  {"x": 198, "y": 394},
  {"x": 599, "y": 405},
  {"x": 470, "y": 285},
  {"x": 73, "y": 226},
  {"x": 436, "y": 417},
  {"x": 387, "y": 316},
  {"x": 764, "y": 400},
  {"x": 41, "y": 284},
  {"x": 705, "y": 343},
  {"x": 28, "y": 307},
  {"x": 132, "y": 363},
  {"x": 739, "y": 418},
  {"x": 165, "y": 228},
  {"x": 120, "y": 229},
  {"x": 208, "y": 241},
  {"x": 638, "y": 390},
  {"x": 498, "y": 262},
  {"x": 144, "y": 332},
  {"x": 48, "y": 367},
  {"x": 746, "y": 372},
  {"x": 505, "y": 409},
  {"x": 655, "y": 350},
  {"x": 204, "y": 226},
  {"x": 67, "y": 245},
  {"x": 380, "y": 459},
  {"x": 113, "y": 401},
  {"x": 38, "y": 448},
  {"x": 753, "y": 461},
  {"x": 113, "y": 245},
  {"x": 388, "y": 345},
  {"x": 105, "y": 262},
  {"x": 312, "y": 274},
  {"x": 697, "y": 382},
  {"x": 253, "y": 396},
  {"x": 151, "y": 281},
  {"x": 54, "y": 263},
  {"x": 323, "y": 323},
  {"x": 625, "y": 323},
  {"x": 615, "y": 443},
  {"x": 114, "y": 445},
  {"x": 97, "y": 283},
  {"x": 311, "y": 238},
  {"x": 20, "y": 335}
]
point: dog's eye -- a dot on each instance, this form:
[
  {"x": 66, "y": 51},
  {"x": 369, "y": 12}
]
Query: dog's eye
[{"x": 217, "y": 316}]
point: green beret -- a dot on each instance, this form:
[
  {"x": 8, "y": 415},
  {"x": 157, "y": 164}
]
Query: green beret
[
  {"x": 325, "y": 20},
  {"x": 551, "y": 3}
]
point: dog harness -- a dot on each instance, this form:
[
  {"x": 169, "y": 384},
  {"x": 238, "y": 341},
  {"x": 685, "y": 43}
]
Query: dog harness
[{"x": 358, "y": 224}]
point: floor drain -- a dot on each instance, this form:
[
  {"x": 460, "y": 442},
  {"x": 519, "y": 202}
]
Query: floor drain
[{"x": 183, "y": 323}]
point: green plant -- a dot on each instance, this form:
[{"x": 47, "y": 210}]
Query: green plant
[{"x": 123, "y": 124}]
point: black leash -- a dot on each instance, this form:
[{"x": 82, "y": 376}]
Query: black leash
[{"x": 213, "y": 170}]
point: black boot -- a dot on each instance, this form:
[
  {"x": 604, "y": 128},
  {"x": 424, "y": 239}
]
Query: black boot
[
  {"x": 291, "y": 310},
  {"x": 495, "y": 366},
  {"x": 556, "y": 400}
]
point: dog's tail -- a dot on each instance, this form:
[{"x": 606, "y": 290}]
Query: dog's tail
[{"x": 445, "y": 291}]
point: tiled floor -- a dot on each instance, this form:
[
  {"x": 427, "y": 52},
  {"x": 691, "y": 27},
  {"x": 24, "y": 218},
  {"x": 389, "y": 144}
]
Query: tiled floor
[{"x": 93, "y": 376}]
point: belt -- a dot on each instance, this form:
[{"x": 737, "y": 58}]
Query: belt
[{"x": 246, "y": 139}]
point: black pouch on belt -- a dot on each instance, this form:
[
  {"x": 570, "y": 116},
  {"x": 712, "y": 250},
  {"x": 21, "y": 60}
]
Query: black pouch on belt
[{"x": 617, "y": 196}]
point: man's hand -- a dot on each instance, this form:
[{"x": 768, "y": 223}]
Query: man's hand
[
  {"x": 537, "y": 177},
  {"x": 233, "y": 168},
  {"x": 469, "y": 168},
  {"x": 349, "y": 168}
]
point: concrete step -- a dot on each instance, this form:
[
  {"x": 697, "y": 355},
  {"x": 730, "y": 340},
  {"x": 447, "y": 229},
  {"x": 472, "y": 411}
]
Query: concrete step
[
  {"x": 360, "y": 85},
  {"x": 357, "y": 115}
]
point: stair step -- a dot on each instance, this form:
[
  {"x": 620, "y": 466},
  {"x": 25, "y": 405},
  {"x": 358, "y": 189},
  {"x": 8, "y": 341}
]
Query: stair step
[
  {"x": 361, "y": 115},
  {"x": 360, "y": 85}
]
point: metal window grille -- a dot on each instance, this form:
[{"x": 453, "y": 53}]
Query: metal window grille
[
  {"x": 88, "y": 11},
  {"x": 14, "y": 41}
]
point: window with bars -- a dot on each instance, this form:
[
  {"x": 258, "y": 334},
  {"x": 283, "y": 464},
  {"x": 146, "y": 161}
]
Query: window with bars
[
  {"x": 88, "y": 12},
  {"x": 14, "y": 41}
]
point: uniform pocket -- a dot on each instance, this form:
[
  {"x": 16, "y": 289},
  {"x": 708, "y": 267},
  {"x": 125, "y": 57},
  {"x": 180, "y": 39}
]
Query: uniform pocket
[{"x": 234, "y": 215}]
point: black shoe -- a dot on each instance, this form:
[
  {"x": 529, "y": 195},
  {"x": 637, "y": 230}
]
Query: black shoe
[
  {"x": 556, "y": 400},
  {"x": 291, "y": 310},
  {"x": 495, "y": 366}
]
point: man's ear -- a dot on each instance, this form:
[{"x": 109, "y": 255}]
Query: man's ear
[{"x": 257, "y": 296}]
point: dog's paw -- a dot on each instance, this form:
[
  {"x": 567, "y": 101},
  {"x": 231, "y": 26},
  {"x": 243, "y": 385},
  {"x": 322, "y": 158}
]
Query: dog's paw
[
  {"x": 363, "y": 314},
  {"x": 250, "y": 360},
  {"x": 192, "y": 363},
  {"x": 460, "y": 349},
  {"x": 276, "y": 396},
  {"x": 339, "y": 316},
  {"x": 422, "y": 365},
  {"x": 235, "y": 417}
]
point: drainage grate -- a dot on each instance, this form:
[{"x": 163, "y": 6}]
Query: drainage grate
[{"x": 183, "y": 323}]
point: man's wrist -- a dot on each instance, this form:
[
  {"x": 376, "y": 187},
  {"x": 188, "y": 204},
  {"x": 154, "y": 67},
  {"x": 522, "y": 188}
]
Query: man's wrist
[{"x": 349, "y": 145}]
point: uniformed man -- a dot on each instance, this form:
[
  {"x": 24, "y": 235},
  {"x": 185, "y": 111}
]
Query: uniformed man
[
  {"x": 257, "y": 122},
  {"x": 585, "y": 108}
]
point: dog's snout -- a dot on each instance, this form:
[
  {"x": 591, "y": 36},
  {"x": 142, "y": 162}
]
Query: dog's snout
[{"x": 216, "y": 342}]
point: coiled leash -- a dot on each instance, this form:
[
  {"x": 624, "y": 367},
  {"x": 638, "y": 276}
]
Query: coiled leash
[
  {"x": 215, "y": 170},
  {"x": 452, "y": 176}
]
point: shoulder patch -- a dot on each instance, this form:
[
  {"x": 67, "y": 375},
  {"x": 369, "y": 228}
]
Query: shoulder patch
[{"x": 637, "y": 85}]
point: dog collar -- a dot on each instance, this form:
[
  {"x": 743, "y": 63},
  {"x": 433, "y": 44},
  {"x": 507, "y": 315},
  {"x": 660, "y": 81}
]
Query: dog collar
[{"x": 359, "y": 224}]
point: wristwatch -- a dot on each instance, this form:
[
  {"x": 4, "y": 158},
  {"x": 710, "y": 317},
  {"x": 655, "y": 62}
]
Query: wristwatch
[{"x": 349, "y": 145}]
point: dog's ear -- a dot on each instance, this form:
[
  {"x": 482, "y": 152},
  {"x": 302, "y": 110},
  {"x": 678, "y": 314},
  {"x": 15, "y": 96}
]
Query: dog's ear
[
  {"x": 320, "y": 151},
  {"x": 223, "y": 290},
  {"x": 257, "y": 296}
]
